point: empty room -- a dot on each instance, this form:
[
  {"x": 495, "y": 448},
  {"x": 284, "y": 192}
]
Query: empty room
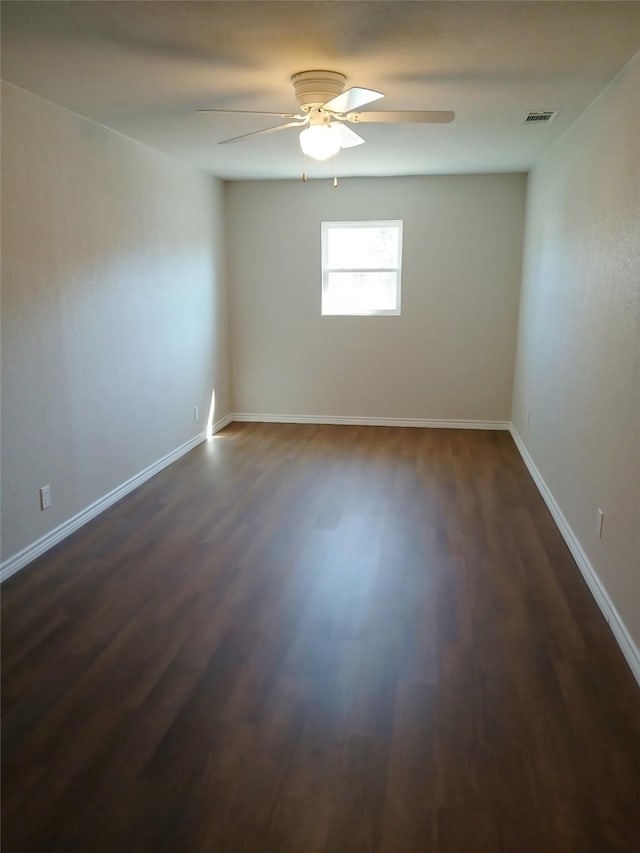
[{"x": 320, "y": 427}]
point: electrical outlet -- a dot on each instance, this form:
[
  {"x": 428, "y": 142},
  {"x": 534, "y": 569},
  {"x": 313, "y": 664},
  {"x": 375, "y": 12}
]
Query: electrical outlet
[
  {"x": 599, "y": 520},
  {"x": 196, "y": 413},
  {"x": 45, "y": 497}
]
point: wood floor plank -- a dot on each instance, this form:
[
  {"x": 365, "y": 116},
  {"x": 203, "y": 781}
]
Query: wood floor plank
[{"x": 318, "y": 639}]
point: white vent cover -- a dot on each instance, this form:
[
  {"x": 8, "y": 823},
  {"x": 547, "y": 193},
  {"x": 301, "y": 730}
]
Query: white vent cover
[{"x": 539, "y": 116}]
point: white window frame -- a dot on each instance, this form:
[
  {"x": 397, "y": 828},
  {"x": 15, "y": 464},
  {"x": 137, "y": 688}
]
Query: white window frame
[{"x": 367, "y": 223}]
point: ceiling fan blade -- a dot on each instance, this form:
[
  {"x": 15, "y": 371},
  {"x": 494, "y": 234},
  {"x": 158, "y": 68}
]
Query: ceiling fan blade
[
  {"x": 352, "y": 99},
  {"x": 265, "y": 130},
  {"x": 408, "y": 116},
  {"x": 348, "y": 137},
  {"x": 253, "y": 113}
]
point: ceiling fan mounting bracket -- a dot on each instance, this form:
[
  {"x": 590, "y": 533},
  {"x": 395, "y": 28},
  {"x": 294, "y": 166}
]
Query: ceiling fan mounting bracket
[{"x": 315, "y": 88}]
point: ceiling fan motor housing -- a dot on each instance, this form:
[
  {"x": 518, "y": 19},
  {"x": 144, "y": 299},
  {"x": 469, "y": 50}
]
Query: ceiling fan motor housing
[{"x": 314, "y": 88}]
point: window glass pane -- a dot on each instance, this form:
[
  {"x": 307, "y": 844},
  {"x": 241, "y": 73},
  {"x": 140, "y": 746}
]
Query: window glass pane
[
  {"x": 362, "y": 248},
  {"x": 360, "y": 292}
]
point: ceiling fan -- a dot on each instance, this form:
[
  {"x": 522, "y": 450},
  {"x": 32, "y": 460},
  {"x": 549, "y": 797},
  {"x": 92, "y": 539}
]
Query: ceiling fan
[{"x": 326, "y": 108}]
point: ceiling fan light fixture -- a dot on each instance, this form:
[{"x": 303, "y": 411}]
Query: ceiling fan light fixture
[
  {"x": 326, "y": 110},
  {"x": 321, "y": 141}
]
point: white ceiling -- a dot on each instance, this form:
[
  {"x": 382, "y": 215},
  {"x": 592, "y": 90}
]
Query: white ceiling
[{"x": 143, "y": 68}]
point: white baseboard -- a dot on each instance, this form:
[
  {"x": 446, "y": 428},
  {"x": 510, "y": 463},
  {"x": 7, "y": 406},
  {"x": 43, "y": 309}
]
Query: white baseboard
[
  {"x": 250, "y": 417},
  {"x": 36, "y": 549},
  {"x": 218, "y": 425},
  {"x": 606, "y": 605}
]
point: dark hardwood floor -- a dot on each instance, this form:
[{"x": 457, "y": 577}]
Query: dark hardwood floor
[{"x": 318, "y": 638}]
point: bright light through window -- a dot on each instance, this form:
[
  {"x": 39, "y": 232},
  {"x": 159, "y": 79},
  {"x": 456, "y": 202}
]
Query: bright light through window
[{"x": 361, "y": 264}]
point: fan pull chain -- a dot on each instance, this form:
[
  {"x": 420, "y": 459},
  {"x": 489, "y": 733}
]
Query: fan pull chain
[
  {"x": 335, "y": 170},
  {"x": 304, "y": 168}
]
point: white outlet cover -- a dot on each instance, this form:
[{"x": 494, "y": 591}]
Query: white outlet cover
[{"x": 45, "y": 497}]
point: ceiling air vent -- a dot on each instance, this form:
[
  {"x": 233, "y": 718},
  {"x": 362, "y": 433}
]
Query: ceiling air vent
[{"x": 539, "y": 116}]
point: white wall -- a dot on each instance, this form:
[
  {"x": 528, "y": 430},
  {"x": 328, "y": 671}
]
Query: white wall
[
  {"x": 114, "y": 315},
  {"x": 578, "y": 361},
  {"x": 449, "y": 356}
]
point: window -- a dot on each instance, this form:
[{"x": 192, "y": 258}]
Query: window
[{"x": 361, "y": 267}]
